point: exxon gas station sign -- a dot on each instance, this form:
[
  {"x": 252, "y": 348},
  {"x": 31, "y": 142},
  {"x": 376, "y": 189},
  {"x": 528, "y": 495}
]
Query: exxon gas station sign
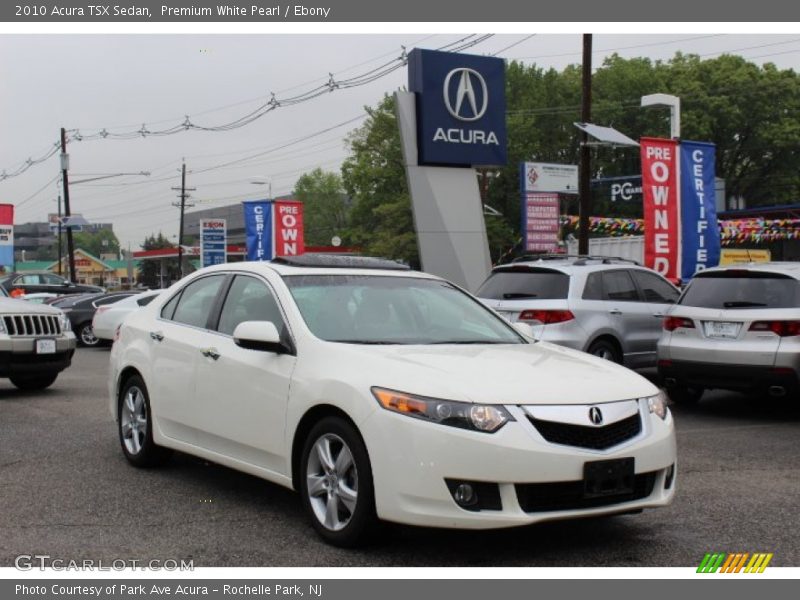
[{"x": 461, "y": 108}]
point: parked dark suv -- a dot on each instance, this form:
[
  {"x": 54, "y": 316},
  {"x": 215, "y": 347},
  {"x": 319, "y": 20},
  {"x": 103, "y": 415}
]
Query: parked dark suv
[{"x": 18, "y": 284}]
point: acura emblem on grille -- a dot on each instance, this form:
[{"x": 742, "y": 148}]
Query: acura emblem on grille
[{"x": 595, "y": 416}]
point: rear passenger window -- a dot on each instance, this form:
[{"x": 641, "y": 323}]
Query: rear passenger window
[
  {"x": 619, "y": 286},
  {"x": 196, "y": 301},
  {"x": 655, "y": 289},
  {"x": 594, "y": 287}
]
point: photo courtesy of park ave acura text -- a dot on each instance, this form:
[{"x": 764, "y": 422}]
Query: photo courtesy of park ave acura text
[{"x": 433, "y": 299}]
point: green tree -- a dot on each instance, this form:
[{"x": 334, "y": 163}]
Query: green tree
[
  {"x": 325, "y": 206},
  {"x": 96, "y": 243},
  {"x": 149, "y": 271}
]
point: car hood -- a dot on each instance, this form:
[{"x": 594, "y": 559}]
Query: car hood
[
  {"x": 539, "y": 373},
  {"x": 23, "y": 307}
]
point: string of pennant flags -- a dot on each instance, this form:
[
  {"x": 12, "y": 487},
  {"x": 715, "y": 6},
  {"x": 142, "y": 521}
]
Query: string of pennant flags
[{"x": 732, "y": 232}]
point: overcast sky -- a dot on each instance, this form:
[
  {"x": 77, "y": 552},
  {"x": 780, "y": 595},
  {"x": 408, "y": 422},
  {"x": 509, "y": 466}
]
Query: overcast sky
[{"x": 120, "y": 82}]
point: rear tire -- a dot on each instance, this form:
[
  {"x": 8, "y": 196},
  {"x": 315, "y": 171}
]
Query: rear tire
[
  {"x": 135, "y": 426},
  {"x": 335, "y": 468},
  {"x": 606, "y": 350},
  {"x": 33, "y": 383},
  {"x": 85, "y": 335},
  {"x": 685, "y": 395}
]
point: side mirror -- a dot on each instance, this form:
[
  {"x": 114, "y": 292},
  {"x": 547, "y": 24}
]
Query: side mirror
[
  {"x": 259, "y": 335},
  {"x": 525, "y": 329}
]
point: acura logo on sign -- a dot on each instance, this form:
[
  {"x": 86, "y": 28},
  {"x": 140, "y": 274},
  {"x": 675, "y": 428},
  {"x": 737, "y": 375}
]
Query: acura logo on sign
[
  {"x": 595, "y": 416},
  {"x": 460, "y": 97}
]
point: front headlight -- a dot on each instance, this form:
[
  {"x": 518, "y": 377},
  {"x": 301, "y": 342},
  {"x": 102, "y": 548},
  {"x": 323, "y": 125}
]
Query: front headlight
[
  {"x": 658, "y": 405},
  {"x": 63, "y": 320},
  {"x": 465, "y": 415}
]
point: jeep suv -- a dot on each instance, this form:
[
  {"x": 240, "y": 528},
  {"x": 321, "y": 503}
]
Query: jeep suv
[
  {"x": 734, "y": 328},
  {"x": 36, "y": 343},
  {"x": 609, "y": 307}
]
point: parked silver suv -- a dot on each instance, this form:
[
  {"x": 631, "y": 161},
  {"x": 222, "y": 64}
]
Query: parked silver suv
[
  {"x": 734, "y": 328},
  {"x": 612, "y": 308}
]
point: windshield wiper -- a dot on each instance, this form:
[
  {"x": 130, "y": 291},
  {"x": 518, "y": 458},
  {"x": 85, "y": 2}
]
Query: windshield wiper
[
  {"x": 471, "y": 342},
  {"x": 741, "y": 304},
  {"x": 366, "y": 342},
  {"x": 511, "y": 295}
]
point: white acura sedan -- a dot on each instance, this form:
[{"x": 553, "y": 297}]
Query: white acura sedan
[{"x": 382, "y": 393}]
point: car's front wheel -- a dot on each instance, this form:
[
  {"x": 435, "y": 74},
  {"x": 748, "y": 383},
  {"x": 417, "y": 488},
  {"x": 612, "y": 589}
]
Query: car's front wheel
[
  {"x": 136, "y": 426},
  {"x": 33, "y": 383},
  {"x": 336, "y": 483}
]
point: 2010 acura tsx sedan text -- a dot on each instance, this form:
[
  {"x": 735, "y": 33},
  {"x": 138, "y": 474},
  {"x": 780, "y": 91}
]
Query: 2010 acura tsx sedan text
[{"x": 380, "y": 393}]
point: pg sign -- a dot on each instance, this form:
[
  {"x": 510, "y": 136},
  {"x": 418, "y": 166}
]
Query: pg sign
[{"x": 461, "y": 108}]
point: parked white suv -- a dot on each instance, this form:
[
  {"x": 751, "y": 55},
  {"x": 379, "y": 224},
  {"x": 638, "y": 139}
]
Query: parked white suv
[
  {"x": 612, "y": 308},
  {"x": 734, "y": 328},
  {"x": 36, "y": 343},
  {"x": 381, "y": 393}
]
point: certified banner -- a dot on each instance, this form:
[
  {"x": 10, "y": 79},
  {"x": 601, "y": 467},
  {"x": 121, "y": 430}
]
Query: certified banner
[
  {"x": 700, "y": 237},
  {"x": 289, "y": 228},
  {"x": 6, "y": 238},
  {"x": 258, "y": 229},
  {"x": 213, "y": 241},
  {"x": 661, "y": 206}
]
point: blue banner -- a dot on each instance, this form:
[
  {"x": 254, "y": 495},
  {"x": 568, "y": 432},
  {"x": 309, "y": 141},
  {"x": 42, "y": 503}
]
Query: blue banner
[
  {"x": 258, "y": 229},
  {"x": 700, "y": 238},
  {"x": 461, "y": 108}
]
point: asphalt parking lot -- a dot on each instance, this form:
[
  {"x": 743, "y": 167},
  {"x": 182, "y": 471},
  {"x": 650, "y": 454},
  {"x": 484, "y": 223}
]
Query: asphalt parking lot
[{"x": 67, "y": 491}]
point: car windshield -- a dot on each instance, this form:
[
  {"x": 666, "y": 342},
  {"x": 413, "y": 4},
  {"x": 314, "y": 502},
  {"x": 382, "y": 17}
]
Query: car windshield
[
  {"x": 373, "y": 309},
  {"x": 522, "y": 283},
  {"x": 742, "y": 289}
]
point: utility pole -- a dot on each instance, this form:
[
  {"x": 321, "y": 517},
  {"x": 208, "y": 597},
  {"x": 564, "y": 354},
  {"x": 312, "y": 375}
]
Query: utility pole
[
  {"x": 183, "y": 195},
  {"x": 65, "y": 181},
  {"x": 584, "y": 183},
  {"x": 59, "y": 235}
]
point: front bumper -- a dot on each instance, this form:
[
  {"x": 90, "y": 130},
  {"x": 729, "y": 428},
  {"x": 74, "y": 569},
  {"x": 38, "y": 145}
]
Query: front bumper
[
  {"x": 18, "y": 355},
  {"x": 743, "y": 378},
  {"x": 413, "y": 461}
]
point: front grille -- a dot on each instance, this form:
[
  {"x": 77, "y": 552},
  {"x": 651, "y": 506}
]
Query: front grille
[
  {"x": 29, "y": 325},
  {"x": 594, "y": 438},
  {"x": 569, "y": 495}
]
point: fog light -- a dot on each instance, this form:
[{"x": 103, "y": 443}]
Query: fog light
[
  {"x": 669, "y": 477},
  {"x": 464, "y": 495}
]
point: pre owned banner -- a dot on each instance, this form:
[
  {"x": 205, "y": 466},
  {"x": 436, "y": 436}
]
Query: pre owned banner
[
  {"x": 6, "y": 238},
  {"x": 661, "y": 206},
  {"x": 258, "y": 229},
  {"x": 288, "y": 228},
  {"x": 700, "y": 236}
]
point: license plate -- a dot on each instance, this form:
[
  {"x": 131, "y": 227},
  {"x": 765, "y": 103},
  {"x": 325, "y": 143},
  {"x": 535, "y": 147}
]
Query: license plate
[
  {"x": 45, "y": 346},
  {"x": 608, "y": 477},
  {"x": 722, "y": 329}
]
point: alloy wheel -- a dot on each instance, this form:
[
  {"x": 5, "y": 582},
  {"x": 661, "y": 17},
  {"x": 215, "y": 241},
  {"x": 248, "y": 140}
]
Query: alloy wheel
[
  {"x": 332, "y": 482},
  {"x": 133, "y": 420}
]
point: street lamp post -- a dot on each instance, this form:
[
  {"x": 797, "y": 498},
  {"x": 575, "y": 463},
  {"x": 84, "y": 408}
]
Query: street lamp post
[
  {"x": 261, "y": 180},
  {"x": 674, "y": 104}
]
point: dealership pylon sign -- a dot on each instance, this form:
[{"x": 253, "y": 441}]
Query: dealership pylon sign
[{"x": 681, "y": 235}]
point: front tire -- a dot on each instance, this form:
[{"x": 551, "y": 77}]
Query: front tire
[
  {"x": 336, "y": 483},
  {"x": 33, "y": 383},
  {"x": 135, "y": 426}
]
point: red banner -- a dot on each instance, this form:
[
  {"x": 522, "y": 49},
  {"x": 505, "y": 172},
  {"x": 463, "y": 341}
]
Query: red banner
[
  {"x": 288, "y": 217},
  {"x": 661, "y": 206}
]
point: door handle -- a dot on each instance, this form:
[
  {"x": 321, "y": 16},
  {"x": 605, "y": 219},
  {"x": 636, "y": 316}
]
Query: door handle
[
  {"x": 210, "y": 353},
  {"x": 658, "y": 315},
  {"x": 615, "y": 311},
  {"x": 156, "y": 335}
]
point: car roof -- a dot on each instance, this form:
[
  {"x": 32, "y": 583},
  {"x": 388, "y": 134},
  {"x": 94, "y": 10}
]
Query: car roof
[
  {"x": 573, "y": 264},
  {"x": 354, "y": 265},
  {"x": 792, "y": 269}
]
